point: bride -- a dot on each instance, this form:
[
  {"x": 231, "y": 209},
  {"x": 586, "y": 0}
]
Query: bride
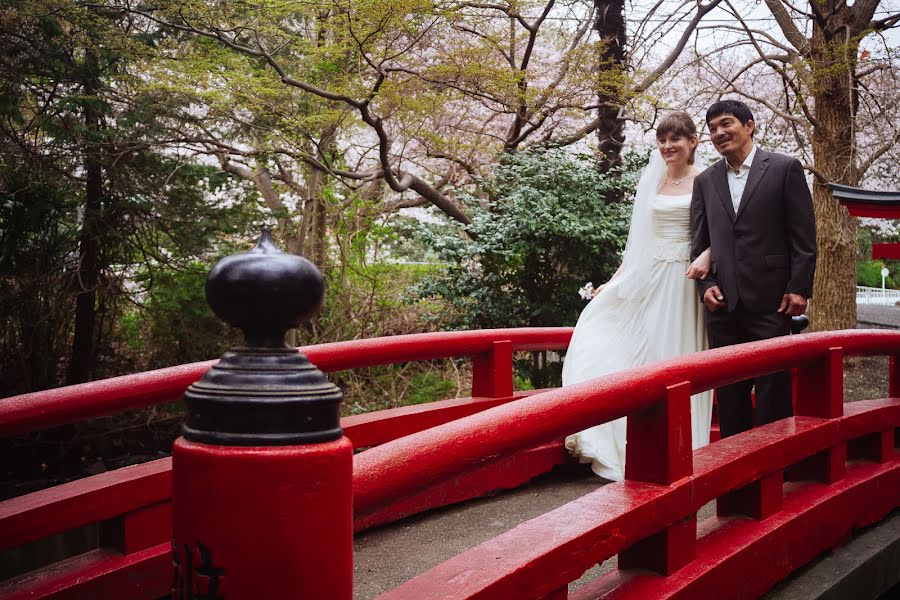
[{"x": 649, "y": 310}]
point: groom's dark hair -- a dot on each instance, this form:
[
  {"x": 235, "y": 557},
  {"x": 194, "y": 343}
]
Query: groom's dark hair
[{"x": 735, "y": 108}]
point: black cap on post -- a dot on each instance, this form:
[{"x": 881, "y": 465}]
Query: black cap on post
[{"x": 264, "y": 393}]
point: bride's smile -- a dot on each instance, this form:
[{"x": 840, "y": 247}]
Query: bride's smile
[{"x": 677, "y": 150}]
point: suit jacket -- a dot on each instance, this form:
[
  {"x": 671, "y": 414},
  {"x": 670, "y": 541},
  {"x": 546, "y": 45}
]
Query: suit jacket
[{"x": 768, "y": 248}]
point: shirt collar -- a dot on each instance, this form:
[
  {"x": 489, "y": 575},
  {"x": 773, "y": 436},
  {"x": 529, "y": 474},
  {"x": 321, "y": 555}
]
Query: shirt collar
[{"x": 748, "y": 162}]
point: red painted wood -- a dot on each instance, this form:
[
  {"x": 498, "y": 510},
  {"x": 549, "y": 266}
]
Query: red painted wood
[
  {"x": 492, "y": 371},
  {"x": 540, "y": 555},
  {"x": 664, "y": 552},
  {"x": 827, "y": 466},
  {"x": 82, "y": 502},
  {"x": 488, "y": 436},
  {"x": 138, "y": 529},
  {"x": 402, "y": 466},
  {"x": 877, "y": 447},
  {"x": 659, "y": 439},
  {"x": 378, "y": 427},
  {"x": 820, "y": 386},
  {"x": 277, "y": 520},
  {"x": 144, "y": 575},
  {"x": 48, "y": 408},
  {"x": 876, "y": 211},
  {"x": 743, "y": 558},
  {"x": 894, "y": 377},
  {"x": 890, "y": 251},
  {"x": 508, "y": 473},
  {"x": 759, "y": 500},
  {"x": 560, "y": 594}
]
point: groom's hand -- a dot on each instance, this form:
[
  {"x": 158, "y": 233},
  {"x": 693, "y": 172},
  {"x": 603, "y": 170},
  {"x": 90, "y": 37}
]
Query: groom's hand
[
  {"x": 792, "y": 305},
  {"x": 713, "y": 299}
]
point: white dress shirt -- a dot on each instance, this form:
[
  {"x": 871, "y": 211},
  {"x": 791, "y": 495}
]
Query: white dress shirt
[{"x": 737, "y": 180}]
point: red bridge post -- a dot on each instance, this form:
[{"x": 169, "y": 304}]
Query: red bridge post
[
  {"x": 658, "y": 450},
  {"x": 262, "y": 476}
]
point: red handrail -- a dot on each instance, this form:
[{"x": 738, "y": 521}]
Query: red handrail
[
  {"x": 544, "y": 554},
  {"x": 408, "y": 463},
  {"x": 398, "y": 468},
  {"x": 49, "y": 408}
]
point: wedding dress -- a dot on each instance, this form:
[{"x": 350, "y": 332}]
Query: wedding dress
[{"x": 647, "y": 313}]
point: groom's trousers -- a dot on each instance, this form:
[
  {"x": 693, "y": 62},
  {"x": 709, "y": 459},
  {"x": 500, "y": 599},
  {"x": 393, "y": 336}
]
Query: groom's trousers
[{"x": 773, "y": 392}]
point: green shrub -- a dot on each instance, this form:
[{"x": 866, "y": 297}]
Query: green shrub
[{"x": 546, "y": 230}]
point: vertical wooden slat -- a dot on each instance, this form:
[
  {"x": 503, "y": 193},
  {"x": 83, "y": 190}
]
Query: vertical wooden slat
[
  {"x": 665, "y": 552},
  {"x": 759, "y": 500},
  {"x": 828, "y": 466},
  {"x": 893, "y": 377},
  {"x": 659, "y": 451},
  {"x": 659, "y": 439},
  {"x": 492, "y": 373},
  {"x": 820, "y": 386}
]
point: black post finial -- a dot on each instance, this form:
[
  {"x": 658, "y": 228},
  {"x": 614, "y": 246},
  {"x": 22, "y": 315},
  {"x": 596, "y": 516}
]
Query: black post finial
[
  {"x": 263, "y": 393},
  {"x": 264, "y": 292}
]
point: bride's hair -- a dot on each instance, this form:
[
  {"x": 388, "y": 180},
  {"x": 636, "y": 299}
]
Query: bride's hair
[{"x": 678, "y": 123}]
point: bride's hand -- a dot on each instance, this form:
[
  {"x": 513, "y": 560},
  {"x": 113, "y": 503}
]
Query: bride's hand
[
  {"x": 597, "y": 290},
  {"x": 699, "y": 269}
]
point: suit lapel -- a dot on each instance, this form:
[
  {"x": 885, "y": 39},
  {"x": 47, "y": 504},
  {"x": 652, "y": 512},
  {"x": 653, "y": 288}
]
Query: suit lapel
[
  {"x": 720, "y": 182},
  {"x": 757, "y": 169}
]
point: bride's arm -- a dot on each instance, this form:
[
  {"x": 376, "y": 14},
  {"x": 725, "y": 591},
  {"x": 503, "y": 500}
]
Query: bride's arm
[
  {"x": 699, "y": 269},
  {"x": 603, "y": 285}
]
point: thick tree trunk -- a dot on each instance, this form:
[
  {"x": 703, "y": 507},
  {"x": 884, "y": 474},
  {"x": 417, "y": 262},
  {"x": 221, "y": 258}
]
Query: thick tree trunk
[
  {"x": 833, "y": 305},
  {"x": 610, "y": 25}
]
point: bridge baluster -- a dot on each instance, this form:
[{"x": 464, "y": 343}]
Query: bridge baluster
[
  {"x": 894, "y": 377},
  {"x": 492, "y": 372},
  {"x": 659, "y": 451},
  {"x": 262, "y": 496},
  {"x": 820, "y": 386},
  {"x": 820, "y": 393}
]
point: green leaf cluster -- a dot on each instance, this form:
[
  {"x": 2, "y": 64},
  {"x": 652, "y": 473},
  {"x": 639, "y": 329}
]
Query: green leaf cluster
[{"x": 542, "y": 229}]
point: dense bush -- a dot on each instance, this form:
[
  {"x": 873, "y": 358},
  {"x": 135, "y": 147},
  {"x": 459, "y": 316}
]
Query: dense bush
[{"x": 545, "y": 229}]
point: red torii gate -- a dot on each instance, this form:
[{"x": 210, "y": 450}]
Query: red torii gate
[{"x": 869, "y": 203}]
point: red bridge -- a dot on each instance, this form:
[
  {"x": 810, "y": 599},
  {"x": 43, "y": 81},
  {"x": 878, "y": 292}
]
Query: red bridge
[
  {"x": 263, "y": 492},
  {"x": 776, "y": 486}
]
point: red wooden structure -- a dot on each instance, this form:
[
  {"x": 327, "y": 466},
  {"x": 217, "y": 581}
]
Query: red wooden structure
[
  {"x": 775, "y": 486},
  {"x": 868, "y": 203}
]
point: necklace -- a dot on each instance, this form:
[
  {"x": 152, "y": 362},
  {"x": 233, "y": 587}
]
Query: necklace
[{"x": 677, "y": 181}]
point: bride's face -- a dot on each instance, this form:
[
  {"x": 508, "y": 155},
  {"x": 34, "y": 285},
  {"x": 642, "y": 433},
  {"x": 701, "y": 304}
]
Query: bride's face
[{"x": 676, "y": 149}]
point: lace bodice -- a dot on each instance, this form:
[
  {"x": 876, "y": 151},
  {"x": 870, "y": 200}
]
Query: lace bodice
[{"x": 672, "y": 228}]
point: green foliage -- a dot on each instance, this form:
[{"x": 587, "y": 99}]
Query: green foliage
[
  {"x": 868, "y": 273},
  {"x": 428, "y": 387},
  {"x": 175, "y": 325},
  {"x": 546, "y": 230}
]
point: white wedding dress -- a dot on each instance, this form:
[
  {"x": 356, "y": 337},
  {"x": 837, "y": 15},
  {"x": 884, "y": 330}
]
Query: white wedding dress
[{"x": 623, "y": 328}]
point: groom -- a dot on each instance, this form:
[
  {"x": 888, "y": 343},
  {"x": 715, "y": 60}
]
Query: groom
[{"x": 754, "y": 209}]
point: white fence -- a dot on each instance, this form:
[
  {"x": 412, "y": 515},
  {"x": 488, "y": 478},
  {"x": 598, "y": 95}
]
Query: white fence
[{"x": 870, "y": 295}]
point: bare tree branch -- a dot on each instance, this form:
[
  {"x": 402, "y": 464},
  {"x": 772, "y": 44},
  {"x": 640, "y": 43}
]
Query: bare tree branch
[
  {"x": 787, "y": 26},
  {"x": 669, "y": 60}
]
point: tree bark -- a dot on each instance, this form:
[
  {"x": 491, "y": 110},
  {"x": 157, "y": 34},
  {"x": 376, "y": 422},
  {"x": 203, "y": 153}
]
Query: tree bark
[
  {"x": 833, "y": 53},
  {"x": 87, "y": 273},
  {"x": 610, "y": 25}
]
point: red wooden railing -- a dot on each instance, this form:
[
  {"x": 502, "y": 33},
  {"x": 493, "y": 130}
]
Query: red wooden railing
[
  {"x": 132, "y": 505},
  {"x": 649, "y": 519}
]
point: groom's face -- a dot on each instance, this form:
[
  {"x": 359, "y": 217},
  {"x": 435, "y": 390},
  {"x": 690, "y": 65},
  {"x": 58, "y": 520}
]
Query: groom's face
[{"x": 730, "y": 136}]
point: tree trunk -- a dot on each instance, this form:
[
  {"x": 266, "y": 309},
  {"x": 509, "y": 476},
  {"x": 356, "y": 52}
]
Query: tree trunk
[
  {"x": 610, "y": 25},
  {"x": 87, "y": 272},
  {"x": 833, "y": 305}
]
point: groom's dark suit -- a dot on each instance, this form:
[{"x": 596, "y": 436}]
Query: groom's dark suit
[{"x": 764, "y": 250}]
